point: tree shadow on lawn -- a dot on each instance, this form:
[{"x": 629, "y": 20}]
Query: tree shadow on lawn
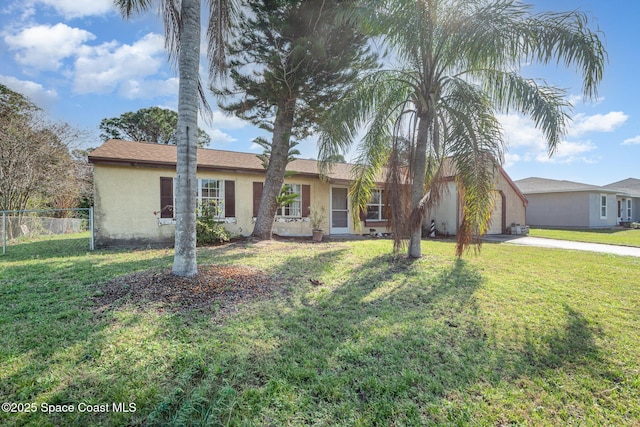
[
  {"x": 395, "y": 342},
  {"x": 48, "y": 327},
  {"x": 390, "y": 341}
]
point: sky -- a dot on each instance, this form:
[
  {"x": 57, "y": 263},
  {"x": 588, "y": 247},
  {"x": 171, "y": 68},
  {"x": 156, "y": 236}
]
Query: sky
[{"x": 82, "y": 62}]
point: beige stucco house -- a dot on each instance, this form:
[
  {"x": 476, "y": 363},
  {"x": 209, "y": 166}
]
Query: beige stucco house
[{"x": 134, "y": 196}]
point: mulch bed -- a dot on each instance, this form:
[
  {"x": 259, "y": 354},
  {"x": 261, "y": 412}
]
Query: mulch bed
[{"x": 215, "y": 287}]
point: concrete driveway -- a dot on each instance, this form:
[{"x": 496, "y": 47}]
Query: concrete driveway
[{"x": 564, "y": 244}]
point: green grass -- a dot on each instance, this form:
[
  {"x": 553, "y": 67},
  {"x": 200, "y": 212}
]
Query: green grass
[
  {"x": 617, "y": 236},
  {"x": 515, "y": 336}
]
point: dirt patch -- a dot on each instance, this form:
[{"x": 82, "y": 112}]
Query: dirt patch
[{"x": 214, "y": 288}]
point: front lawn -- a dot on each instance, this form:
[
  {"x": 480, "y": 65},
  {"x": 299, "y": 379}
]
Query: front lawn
[
  {"x": 617, "y": 236},
  {"x": 515, "y": 336}
]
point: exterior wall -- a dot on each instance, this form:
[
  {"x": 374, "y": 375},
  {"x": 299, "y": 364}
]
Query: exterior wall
[
  {"x": 125, "y": 199},
  {"x": 572, "y": 209},
  {"x": 594, "y": 211},
  {"x": 558, "y": 210},
  {"x": 448, "y": 215},
  {"x": 515, "y": 210},
  {"x": 635, "y": 209},
  {"x": 445, "y": 214}
]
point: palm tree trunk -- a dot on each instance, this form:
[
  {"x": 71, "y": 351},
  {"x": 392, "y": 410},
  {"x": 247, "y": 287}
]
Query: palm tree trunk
[
  {"x": 282, "y": 126},
  {"x": 184, "y": 262},
  {"x": 417, "y": 184}
]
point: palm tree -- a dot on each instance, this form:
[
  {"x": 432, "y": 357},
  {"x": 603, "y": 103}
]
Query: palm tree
[
  {"x": 182, "y": 40},
  {"x": 458, "y": 64}
]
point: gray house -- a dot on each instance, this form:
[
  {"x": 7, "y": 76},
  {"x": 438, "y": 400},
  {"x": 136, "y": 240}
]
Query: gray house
[
  {"x": 554, "y": 203},
  {"x": 628, "y": 199}
]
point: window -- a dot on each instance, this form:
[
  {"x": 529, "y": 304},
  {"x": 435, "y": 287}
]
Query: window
[
  {"x": 218, "y": 194},
  {"x": 603, "y": 206},
  {"x": 293, "y": 209},
  {"x": 211, "y": 196},
  {"x": 375, "y": 207},
  {"x": 629, "y": 209}
]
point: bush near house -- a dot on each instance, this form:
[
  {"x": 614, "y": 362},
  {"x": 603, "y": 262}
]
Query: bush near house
[{"x": 209, "y": 229}]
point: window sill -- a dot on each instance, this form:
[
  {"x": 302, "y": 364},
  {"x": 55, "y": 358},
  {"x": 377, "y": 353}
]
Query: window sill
[
  {"x": 376, "y": 222},
  {"x": 285, "y": 219},
  {"x": 172, "y": 221}
]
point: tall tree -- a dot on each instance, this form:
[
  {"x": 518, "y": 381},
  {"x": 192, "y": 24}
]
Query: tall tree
[
  {"x": 457, "y": 63},
  {"x": 290, "y": 61},
  {"x": 36, "y": 168},
  {"x": 182, "y": 40},
  {"x": 153, "y": 124}
]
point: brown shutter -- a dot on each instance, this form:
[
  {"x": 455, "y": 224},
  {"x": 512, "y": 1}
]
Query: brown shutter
[
  {"x": 257, "y": 195},
  {"x": 386, "y": 207},
  {"x": 306, "y": 201},
  {"x": 166, "y": 197},
  {"x": 229, "y": 199}
]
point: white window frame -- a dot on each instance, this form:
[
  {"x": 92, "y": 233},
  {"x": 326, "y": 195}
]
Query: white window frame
[
  {"x": 379, "y": 204},
  {"x": 603, "y": 206},
  {"x": 203, "y": 197},
  {"x": 293, "y": 209},
  {"x": 629, "y": 209}
]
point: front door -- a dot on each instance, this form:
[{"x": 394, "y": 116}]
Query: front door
[{"x": 339, "y": 210}]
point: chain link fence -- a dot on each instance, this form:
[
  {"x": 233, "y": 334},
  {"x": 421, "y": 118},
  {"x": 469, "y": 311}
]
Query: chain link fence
[{"x": 48, "y": 231}]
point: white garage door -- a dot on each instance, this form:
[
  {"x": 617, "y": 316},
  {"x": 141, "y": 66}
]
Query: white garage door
[{"x": 495, "y": 224}]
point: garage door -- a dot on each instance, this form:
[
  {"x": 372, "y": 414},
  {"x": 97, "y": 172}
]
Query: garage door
[{"x": 495, "y": 225}]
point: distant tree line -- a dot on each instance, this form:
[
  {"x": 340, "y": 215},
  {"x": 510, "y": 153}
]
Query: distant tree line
[{"x": 38, "y": 168}]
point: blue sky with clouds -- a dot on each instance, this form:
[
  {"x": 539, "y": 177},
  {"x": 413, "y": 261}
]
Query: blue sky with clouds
[{"x": 81, "y": 62}]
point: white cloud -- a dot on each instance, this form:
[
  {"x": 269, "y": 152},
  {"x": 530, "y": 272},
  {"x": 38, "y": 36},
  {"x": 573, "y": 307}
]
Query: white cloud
[
  {"x": 103, "y": 68},
  {"x": 136, "y": 89},
  {"x": 520, "y": 131},
  {"x": 579, "y": 99},
  {"x": 511, "y": 159},
  {"x": 569, "y": 152},
  {"x": 219, "y": 137},
  {"x": 632, "y": 141},
  {"x": 527, "y": 143},
  {"x": 40, "y": 96},
  {"x": 43, "y": 47},
  {"x": 597, "y": 123},
  {"x": 224, "y": 121},
  {"x": 80, "y": 8}
]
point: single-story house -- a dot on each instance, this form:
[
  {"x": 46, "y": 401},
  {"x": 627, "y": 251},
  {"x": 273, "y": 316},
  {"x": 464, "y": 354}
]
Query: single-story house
[
  {"x": 558, "y": 203},
  {"x": 134, "y": 195},
  {"x": 628, "y": 199}
]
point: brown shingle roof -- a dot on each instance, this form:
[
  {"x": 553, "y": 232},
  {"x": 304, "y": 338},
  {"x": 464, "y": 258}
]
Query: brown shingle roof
[{"x": 144, "y": 153}]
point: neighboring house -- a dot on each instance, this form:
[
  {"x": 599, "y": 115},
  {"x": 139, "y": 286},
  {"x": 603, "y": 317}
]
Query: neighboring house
[
  {"x": 134, "y": 195},
  {"x": 628, "y": 199},
  {"x": 554, "y": 203}
]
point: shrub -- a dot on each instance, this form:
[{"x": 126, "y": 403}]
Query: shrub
[
  {"x": 635, "y": 225},
  {"x": 208, "y": 229}
]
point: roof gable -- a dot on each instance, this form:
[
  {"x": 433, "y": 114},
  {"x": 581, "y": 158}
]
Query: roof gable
[
  {"x": 630, "y": 185},
  {"x": 535, "y": 185}
]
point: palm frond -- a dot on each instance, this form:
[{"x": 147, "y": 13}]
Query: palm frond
[
  {"x": 475, "y": 145},
  {"x": 546, "y": 105},
  {"x": 372, "y": 102},
  {"x": 222, "y": 15}
]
